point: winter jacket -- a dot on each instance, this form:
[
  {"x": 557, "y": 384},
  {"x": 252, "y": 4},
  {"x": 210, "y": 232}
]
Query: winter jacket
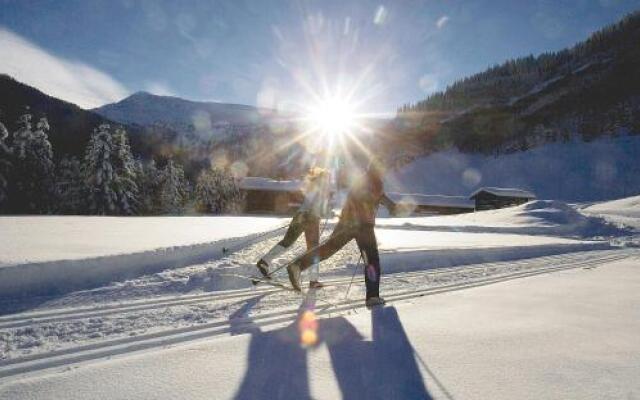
[
  {"x": 316, "y": 200},
  {"x": 362, "y": 202}
]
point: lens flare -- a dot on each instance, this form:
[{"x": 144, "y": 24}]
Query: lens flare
[{"x": 308, "y": 328}]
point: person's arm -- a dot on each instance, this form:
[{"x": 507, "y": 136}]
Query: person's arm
[{"x": 386, "y": 202}]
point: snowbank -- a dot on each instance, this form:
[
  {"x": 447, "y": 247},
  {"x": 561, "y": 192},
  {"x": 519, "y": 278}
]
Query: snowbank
[
  {"x": 622, "y": 211},
  {"x": 539, "y": 217},
  {"x": 45, "y": 255}
]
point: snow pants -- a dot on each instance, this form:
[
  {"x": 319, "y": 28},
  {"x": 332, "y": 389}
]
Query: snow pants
[
  {"x": 365, "y": 237},
  {"x": 302, "y": 222},
  {"x": 310, "y": 225}
]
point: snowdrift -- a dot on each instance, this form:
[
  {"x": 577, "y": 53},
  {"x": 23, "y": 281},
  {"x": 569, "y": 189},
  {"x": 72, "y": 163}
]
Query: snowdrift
[
  {"x": 538, "y": 217},
  {"x": 624, "y": 212}
]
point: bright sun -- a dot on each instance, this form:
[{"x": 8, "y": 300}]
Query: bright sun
[{"x": 332, "y": 117}]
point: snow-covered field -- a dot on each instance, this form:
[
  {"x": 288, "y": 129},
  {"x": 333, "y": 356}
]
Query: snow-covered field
[{"x": 67, "y": 337}]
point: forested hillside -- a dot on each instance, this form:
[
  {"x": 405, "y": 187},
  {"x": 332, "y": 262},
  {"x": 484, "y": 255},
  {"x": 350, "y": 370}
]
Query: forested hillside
[{"x": 589, "y": 90}]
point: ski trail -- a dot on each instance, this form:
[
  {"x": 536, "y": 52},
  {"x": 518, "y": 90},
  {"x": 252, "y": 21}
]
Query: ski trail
[
  {"x": 126, "y": 345},
  {"x": 19, "y": 320}
]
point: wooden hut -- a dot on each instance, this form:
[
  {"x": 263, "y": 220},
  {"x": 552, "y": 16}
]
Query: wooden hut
[
  {"x": 406, "y": 204},
  {"x": 268, "y": 196},
  {"x": 490, "y": 198}
]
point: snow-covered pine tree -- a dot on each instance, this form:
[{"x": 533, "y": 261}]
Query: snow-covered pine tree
[
  {"x": 5, "y": 167},
  {"x": 124, "y": 165},
  {"x": 32, "y": 189},
  {"x": 217, "y": 192},
  {"x": 174, "y": 190},
  {"x": 70, "y": 186},
  {"x": 148, "y": 182},
  {"x": 99, "y": 173},
  {"x": 109, "y": 173}
]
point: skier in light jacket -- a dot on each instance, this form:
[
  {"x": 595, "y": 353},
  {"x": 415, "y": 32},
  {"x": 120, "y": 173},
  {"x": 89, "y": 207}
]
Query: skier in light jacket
[{"x": 307, "y": 220}]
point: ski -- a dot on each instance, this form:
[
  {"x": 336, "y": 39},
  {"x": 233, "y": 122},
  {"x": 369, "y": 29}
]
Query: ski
[
  {"x": 256, "y": 280},
  {"x": 281, "y": 285},
  {"x": 272, "y": 282}
]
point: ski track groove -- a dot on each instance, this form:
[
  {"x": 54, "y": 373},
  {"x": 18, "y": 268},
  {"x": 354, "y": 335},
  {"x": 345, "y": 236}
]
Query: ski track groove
[
  {"x": 122, "y": 346},
  {"x": 25, "y": 319}
]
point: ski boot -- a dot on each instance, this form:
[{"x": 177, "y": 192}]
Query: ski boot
[
  {"x": 263, "y": 267},
  {"x": 374, "y": 302},
  {"x": 316, "y": 285}
]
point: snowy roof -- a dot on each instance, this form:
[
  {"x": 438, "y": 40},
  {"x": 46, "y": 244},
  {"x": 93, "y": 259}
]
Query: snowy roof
[
  {"x": 435, "y": 200},
  {"x": 259, "y": 183},
  {"x": 505, "y": 192}
]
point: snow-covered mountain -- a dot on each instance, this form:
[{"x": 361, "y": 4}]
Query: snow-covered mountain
[{"x": 182, "y": 115}]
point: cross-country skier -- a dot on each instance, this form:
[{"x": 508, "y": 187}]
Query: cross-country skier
[
  {"x": 307, "y": 220},
  {"x": 357, "y": 221}
]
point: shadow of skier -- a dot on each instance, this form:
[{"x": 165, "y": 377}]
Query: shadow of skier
[
  {"x": 276, "y": 364},
  {"x": 384, "y": 368}
]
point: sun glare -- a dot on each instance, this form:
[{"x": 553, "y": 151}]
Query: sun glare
[{"x": 332, "y": 117}]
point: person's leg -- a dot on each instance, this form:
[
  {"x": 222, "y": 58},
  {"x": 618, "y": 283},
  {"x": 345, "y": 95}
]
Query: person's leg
[
  {"x": 336, "y": 241},
  {"x": 293, "y": 233},
  {"x": 312, "y": 236},
  {"x": 366, "y": 239}
]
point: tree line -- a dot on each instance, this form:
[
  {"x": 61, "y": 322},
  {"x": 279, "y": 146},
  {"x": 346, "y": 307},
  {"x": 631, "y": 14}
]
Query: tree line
[
  {"x": 107, "y": 180},
  {"x": 515, "y": 77}
]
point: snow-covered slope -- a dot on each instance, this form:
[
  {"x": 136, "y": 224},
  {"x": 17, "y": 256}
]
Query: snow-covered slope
[
  {"x": 538, "y": 217},
  {"x": 604, "y": 169},
  {"x": 623, "y": 211}
]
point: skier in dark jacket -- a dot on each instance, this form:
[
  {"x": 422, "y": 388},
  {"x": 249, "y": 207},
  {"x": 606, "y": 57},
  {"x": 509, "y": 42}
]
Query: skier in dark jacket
[
  {"x": 357, "y": 221},
  {"x": 307, "y": 220}
]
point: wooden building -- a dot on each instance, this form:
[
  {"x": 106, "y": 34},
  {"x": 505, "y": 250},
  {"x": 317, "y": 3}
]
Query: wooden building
[
  {"x": 490, "y": 198},
  {"x": 404, "y": 204},
  {"x": 268, "y": 196}
]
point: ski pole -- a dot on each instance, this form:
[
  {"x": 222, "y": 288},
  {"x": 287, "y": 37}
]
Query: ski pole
[{"x": 355, "y": 269}]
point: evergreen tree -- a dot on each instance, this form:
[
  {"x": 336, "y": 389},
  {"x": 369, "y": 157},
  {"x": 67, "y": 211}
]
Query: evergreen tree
[
  {"x": 5, "y": 166},
  {"x": 124, "y": 165},
  {"x": 32, "y": 189},
  {"x": 216, "y": 192},
  {"x": 70, "y": 188},
  {"x": 148, "y": 181},
  {"x": 110, "y": 173},
  {"x": 174, "y": 189}
]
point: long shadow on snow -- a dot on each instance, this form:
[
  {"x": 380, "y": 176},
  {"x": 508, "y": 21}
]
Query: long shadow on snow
[{"x": 384, "y": 368}]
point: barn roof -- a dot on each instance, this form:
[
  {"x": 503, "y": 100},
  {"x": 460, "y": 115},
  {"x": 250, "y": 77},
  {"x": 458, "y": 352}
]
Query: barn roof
[
  {"x": 504, "y": 192},
  {"x": 434, "y": 200},
  {"x": 259, "y": 183}
]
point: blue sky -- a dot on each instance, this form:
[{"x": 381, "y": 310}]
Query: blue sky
[{"x": 280, "y": 53}]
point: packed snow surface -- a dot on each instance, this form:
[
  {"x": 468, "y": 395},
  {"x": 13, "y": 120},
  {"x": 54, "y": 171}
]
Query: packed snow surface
[
  {"x": 179, "y": 317},
  {"x": 561, "y": 335}
]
